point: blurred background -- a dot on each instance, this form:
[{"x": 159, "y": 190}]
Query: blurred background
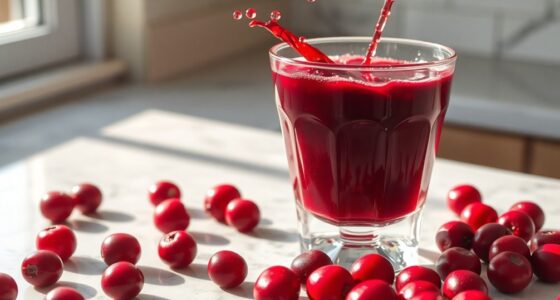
[{"x": 71, "y": 67}]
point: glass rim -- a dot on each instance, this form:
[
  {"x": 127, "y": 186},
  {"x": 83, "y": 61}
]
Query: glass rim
[{"x": 273, "y": 52}]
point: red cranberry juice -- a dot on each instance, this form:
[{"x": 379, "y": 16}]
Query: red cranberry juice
[{"x": 359, "y": 153}]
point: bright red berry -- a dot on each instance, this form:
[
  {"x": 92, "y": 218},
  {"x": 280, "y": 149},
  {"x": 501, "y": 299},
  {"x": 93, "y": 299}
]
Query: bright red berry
[
  {"x": 122, "y": 280},
  {"x": 42, "y": 268},
  {"x": 171, "y": 215},
  {"x": 227, "y": 269},
  {"x": 59, "y": 239},
  {"x": 372, "y": 266},
  {"x": 331, "y": 282},
  {"x": 56, "y": 206},
  {"x": 510, "y": 272},
  {"x": 64, "y": 293},
  {"x": 163, "y": 190},
  {"x": 532, "y": 210},
  {"x": 478, "y": 214},
  {"x": 461, "y": 196},
  {"x": 417, "y": 273},
  {"x": 454, "y": 234},
  {"x": 519, "y": 223},
  {"x": 545, "y": 237},
  {"x": 120, "y": 247},
  {"x": 510, "y": 243},
  {"x": 217, "y": 199},
  {"x": 372, "y": 289},
  {"x": 414, "y": 288},
  {"x": 472, "y": 295},
  {"x": 307, "y": 262},
  {"x": 8, "y": 287},
  {"x": 463, "y": 280},
  {"x": 485, "y": 236},
  {"x": 429, "y": 295},
  {"x": 546, "y": 263},
  {"x": 277, "y": 283},
  {"x": 457, "y": 259},
  {"x": 242, "y": 214},
  {"x": 87, "y": 197},
  {"x": 177, "y": 249}
]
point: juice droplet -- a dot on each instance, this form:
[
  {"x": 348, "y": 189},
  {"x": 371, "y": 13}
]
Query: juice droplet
[
  {"x": 251, "y": 13},
  {"x": 275, "y": 15},
  {"x": 237, "y": 15}
]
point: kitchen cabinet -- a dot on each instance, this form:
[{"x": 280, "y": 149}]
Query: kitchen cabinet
[{"x": 545, "y": 158}]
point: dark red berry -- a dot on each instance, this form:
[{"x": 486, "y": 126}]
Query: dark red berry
[
  {"x": 372, "y": 289},
  {"x": 417, "y": 287},
  {"x": 163, "y": 190},
  {"x": 331, "y": 282},
  {"x": 510, "y": 272},
  {"x": 42, "y": 268},
  {"x": 510, "y": 243},
  {"x": 122, "y": 280},
  {"x": 429, "y": 295},
  {"x": 64, "y": 293},
  {"x": 477, "y": 214},
  {"x": 307, "y": 262},
  {"x": 416, "y": 273},
  {"x": 177, "y": 249},
  {"x": 485, "y": 236},
  {"x": 242, "y": 214},
  {"x": 457, "y": 259},
  {"x": 372, "y": 266},
  {"x": 463, "y": 280},
  {"x": 519, "y": 223},
  {"x": 120, "y": 247},
  {"x": 227, "y": 269},
  {"x": 277, "y": 283},
  {"x": 472, "y": 295},
  {"x": 171, "y": 215},
  {"x": 87, "y": 197},
  {"x": 545, "y": 237},
  {"x": 454, "y": 234},
  {"x": 532, "y": 210},
  {"x": 56, "y": 206},
  {"x": 8, "y": 287},
  {"x": 217, "y": 199},
  {"x": 546, "y": 263},
  {"x": 461, "y": 196},
  {"x": 59, "y": 239}
]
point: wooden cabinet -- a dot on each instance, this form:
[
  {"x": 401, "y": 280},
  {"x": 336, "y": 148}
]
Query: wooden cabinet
[{"x": 545, "y": 158}]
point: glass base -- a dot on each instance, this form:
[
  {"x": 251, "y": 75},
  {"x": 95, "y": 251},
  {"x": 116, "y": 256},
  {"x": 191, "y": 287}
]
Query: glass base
[{"x": 398, "y": 241}]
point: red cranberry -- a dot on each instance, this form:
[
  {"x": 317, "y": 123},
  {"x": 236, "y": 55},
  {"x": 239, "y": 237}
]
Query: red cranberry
[
  {"x": 510, "y": 272},
  {"x": 242, "y": 214},
  {"x": 485, "y": 236},
  {"x": 416, "y": 273},
  {"x": 457, "y": 259},
  {"x": 122, "y": 280},
  {"x": 64, "y": 293},
  {"x": 463, "y": 280},
  {"x": 519, "y": 223},
  {"x": 429, "y": 295},
  {"x": 120, "y": 247},
  {"x": 171, "y": 215},
  {"x": 546, "y": 263},
  {"x": 56, "y": 206},
  {"x": 461, "y": 196},
  {"x": 276, "y": 283},
  {"x": 42, "y": 268},
  {"x": 331, "y": 282},
  {"x": 509, "y": 243},
  {"x": 545, "y": 237},
  {"x": 454, "y": 234},
  {"x": 477, "y": 214},
  {"x": 372, "y": 289},
  {"x": 177, "y": 249},
  {"x": 417, "y": 287},
  {"x": 8, "y": 287},
  {"x": 532, "y": 210},
  {"x": 307, "y": 262},
  {"x": 163, "y": 190},
  {"x": 217, "y": 199},
  {"x": 59, "y": 239},
  {"x": 227, "y": 269},
  {"x": 472, "y": 295},
  {"x": 87, "y": 197},
  {"x": 372, "y": 266}
]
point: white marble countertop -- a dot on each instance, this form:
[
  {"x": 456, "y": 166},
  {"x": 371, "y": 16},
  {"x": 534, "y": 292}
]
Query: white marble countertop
[{"x": 124, "y": 157}]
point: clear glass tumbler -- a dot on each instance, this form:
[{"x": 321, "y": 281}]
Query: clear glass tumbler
[{"x": 361, "y": 142}]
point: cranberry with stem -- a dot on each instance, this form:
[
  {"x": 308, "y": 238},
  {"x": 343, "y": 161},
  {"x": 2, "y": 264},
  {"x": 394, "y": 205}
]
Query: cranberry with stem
[
  {"x": 510, "y": 272},
  {"x": 64, "y": 293},
  {"x": 417, "y": 287},
  {"x": 463, "y": 280},
  {"x": 510, "y": 243},
  {"x": 56, "y": 206},
  {"x": 278, "y": 283},
  {"x": 519, "y": 223},
  {"x": 545, "y": 237},
  {"x": 307, "y": 262},
  {"x": 8, "y": 287},
  {"x": 171, "y": 215},
  {"x": 457, "y": 259},
  {"x": 122, "y": 280},
  {"x": 485, "y": 236},
  {"x": 120, "y": 247},
  {"x": 461, "y": 196},
  {"x": 372, "y": 289},
  {"x": 177, "y": 249},
  {"x": 477, "y": 214},
  {"x": 87, "y": 197},
  {"x": 533, "y": 210},
  {"x": 227, "y": 269},
  {"x": 242, "y": 214},
  {"x": 163, "y": 190},
  {"x": 217, "y": 199},
  {"x": 42, "y": 268},
  {"x": 546, "y": 263},
  {"x": 454, "y": 234},
  {"x": 416, "y": 273},
  {"x": 372, "y": 266},
  {"x": 331, "y": 282}
]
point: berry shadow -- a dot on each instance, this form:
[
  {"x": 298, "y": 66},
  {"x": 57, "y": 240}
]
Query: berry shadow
[
  {"x": 265, "y": 221},
  {"x": 245, "y": 290},
  {"x": 158, "y": 276},
  {"x": 87, "y": 226},
  {"x": 274, "y": 234},
  {"x": 111, "y": 215},
  {"x": 195, "y": 270},
  {"x": 87, "y": 291},
  {"x": 205, "y": 238},
  {"x": 197, "y": 213},
  {"x": 150, "y": 297},
  {"x": 84, "y": 265}
]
